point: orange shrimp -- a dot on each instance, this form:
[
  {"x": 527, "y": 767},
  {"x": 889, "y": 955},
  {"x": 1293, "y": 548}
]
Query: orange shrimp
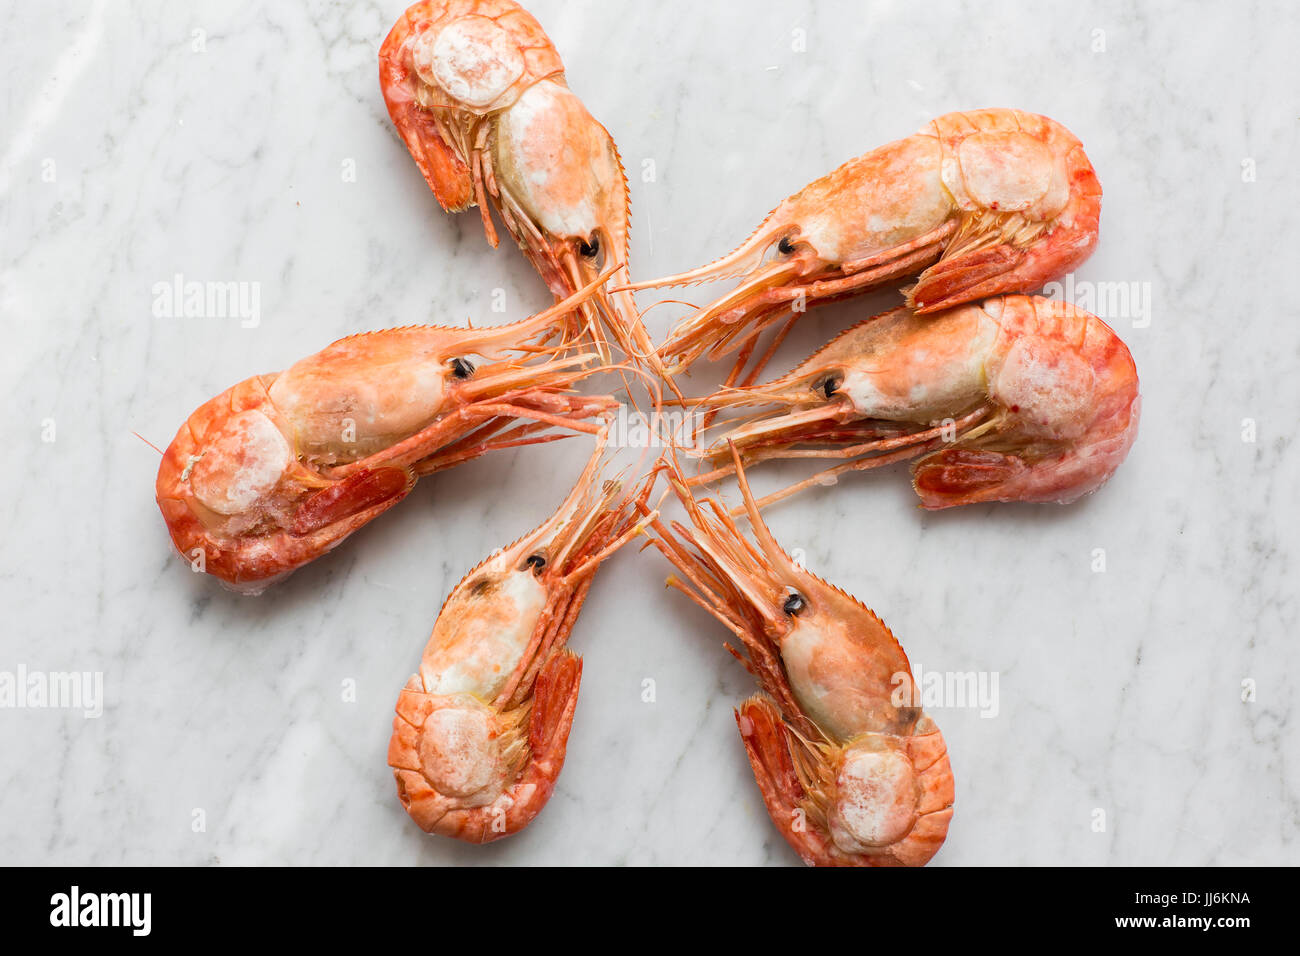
[
  {"x": 1018, "y": 398},
  {"x": 481, "y": 731},
  {"x": 281, "y": 468},
  {"x": 851, "y": 772},
  {"x": 980, "y": 204},
  {"x": 477, "y": 92}
]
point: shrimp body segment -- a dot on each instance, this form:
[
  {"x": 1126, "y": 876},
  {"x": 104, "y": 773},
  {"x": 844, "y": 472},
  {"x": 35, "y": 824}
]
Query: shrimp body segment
[
  {"x": 852, "y": 773},
  {"x": 477, "y": 92},
  {"x": 481, "y": 731},
  {"x": 281, "y": 468},
  {"x": 1018, "y": 398},
  {"x": 979, "y": 204}
]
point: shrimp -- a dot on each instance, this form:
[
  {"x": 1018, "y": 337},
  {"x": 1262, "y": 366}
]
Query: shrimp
[
  {"x": 477, "y": 92},
  {"x": 481, "y": 731},
  {"x": 279, "y": 469},
  {"x": 852, "y": 773},
  {"x": 980, "y": 204},
  {"x": 1018, "y": 398}
]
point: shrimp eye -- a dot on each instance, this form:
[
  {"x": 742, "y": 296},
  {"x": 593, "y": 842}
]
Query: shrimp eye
[
  {"x": 794, "y": 603},
  {"x": 537, "y": 562},
  {"x": 461, "y": 368},
  {"x": 590, "y": 248},
  {"x": 829, "y": 385},
  {"x": 785, "y": 246}
]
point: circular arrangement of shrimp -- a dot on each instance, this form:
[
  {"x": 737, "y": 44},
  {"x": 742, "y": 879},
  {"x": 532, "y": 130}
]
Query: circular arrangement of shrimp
[{"x": 992, "y": 395}]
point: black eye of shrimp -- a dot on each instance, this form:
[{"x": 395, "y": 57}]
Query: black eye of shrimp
[
  {"x": 829, "y": 386},
  {"x": 461, "y": 368},
  {"x": 537, "y": 562},
  {"x": 589, "y": 248},
  {"x": 785, "y": 247},
  {"x": 794, "y": 603}
]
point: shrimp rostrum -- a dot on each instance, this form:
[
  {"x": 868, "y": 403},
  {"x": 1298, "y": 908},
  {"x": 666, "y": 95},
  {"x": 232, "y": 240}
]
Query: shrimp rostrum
[
  {"x": 851, "y": 772},
  {"x": 279, "y": 469},
  {"x": 978, "y": 204},
  {"x": 477, "y": 91},
  {"x": 481, "y": 731},
  {"x": 1018, "y": 398}
]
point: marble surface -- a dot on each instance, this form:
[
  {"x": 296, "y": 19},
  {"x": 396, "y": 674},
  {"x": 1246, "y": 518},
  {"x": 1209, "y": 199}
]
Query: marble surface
[{"x": 214, "y": 140}]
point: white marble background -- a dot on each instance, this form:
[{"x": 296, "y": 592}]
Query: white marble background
[{"x": 130, "y": 156}]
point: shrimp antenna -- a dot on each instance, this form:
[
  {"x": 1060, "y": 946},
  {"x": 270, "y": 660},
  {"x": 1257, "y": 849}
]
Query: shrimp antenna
[{"x": 149, "y": 443}]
